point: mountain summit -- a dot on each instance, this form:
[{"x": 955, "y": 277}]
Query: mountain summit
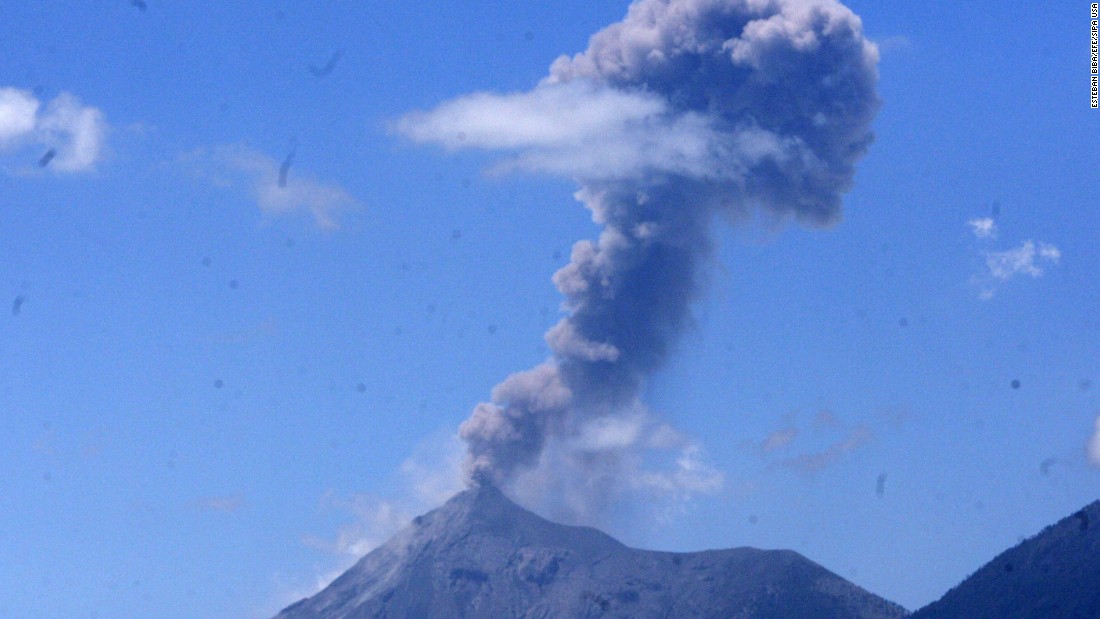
[{"x": 482, "y": 556}]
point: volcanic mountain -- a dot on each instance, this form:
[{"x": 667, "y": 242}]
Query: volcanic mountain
[
  {"x": 1053, "y": 574},
  {"x": 482, "y": 556}
]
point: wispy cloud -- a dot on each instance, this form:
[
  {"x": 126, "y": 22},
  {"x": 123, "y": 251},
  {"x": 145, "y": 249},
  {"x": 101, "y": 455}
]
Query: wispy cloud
[
  {"x": 825, "y": 419},
  {"x": 893, "y": 43},
  {"x": 587, "y": 130},
  {"x": 430, "y": 476},
  {"x": 820, "y": 443},
  {"x": 223, "y": 504},
  {"x": 69, "y": 134},
  {"x": 778, "y": 439},
  {"x": 433, "y": 473},
  {"x": 374, "y": 521},
  {"x": 983, "y": 227},
  {"x": 276, "y": 190},
  {"x": 1094, "y": 445},
  {"x": 815, "y": 462},
  {"x": 1029, "y": 258}
]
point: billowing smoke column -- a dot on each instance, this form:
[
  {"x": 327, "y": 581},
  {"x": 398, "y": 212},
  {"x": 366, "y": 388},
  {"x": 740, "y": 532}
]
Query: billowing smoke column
[{"x": 684, "y": 111}]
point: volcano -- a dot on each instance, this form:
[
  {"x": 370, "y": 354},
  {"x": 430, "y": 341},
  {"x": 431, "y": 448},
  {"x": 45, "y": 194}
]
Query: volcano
[{"x": 482, "y": 556}]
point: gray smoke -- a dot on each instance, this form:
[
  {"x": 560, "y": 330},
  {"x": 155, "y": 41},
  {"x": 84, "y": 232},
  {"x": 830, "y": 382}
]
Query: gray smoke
[{"x": 685, "y": 111}]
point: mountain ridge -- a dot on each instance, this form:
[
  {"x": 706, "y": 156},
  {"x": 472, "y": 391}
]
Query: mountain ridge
[{"x": 1054, "y": 573}]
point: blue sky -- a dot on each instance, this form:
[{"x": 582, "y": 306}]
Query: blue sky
[{"x": 214, "y": 391}]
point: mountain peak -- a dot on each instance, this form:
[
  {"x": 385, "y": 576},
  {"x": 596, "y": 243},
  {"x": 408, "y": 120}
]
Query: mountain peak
[
  {"x": 483, "y": 510},
  {"x": 481, "y": 555},
  {"x": 483, "y": 499}
]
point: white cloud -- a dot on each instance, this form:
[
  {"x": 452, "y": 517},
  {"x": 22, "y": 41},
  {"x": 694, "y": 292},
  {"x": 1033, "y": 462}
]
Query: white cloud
[
  {"x": 1094, "y": 445},
  {"x": 18, "y": 114},
  {"x": 277, "y": 191},
  {"x": 375, "y": 521},
  {"x": 1024, "y": 260},
  {"x": 71, "y": 132},
  {"x": 984, "y": 227},
  {"x": 549, "y": 117},
  {"x": 627, "y": 455},
  {"x": 1049, "y": 252},
  {"x": 1028, "y": 259},
  {"x": 585, "y": 130},
  {"x": 434, "y": 470},
  {"x": 431, "y": 476},
  {"x": 76, "y": 130}
]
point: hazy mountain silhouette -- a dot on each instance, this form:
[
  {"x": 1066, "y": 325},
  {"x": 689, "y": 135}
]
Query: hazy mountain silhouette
[
  {"x": 1054, "y": 575},
  {"x": 480, "y": 555}
]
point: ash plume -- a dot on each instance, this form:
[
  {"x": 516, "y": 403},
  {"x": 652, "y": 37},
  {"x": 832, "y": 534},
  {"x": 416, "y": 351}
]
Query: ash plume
[{"x": 684, "y": 112}]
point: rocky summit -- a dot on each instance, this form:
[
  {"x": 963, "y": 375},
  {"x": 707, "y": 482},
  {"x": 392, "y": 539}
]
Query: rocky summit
[{"x": 482, "y": 556}]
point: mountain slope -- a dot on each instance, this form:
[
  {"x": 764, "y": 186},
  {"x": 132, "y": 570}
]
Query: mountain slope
[
  {"x": 480, "y": 555},
  {"x": 1054, "y": 574}
]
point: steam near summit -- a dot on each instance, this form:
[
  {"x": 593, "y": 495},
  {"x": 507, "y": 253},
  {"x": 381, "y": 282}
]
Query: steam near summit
[{"x": 683, "y": 113}]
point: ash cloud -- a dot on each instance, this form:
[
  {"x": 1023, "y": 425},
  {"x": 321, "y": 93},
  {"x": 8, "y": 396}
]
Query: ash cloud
[{"x": 684, "y": 112}]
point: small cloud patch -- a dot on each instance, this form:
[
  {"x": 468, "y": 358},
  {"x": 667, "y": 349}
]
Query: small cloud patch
[
  {"x": 983, "y": 228},
  {"x": 70, "y": 133},
  {"x": 1027, "y": 259},
  {"x": 275, "y": 190},
  {"x": 1030, "y": 258}
]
